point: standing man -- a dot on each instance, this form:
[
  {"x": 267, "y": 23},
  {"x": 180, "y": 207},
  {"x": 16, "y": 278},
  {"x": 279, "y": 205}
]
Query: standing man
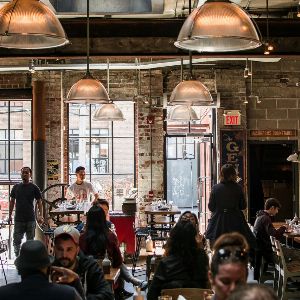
[
  {"x": 23, "y": 195},
  {"x": 263, "y": 229},
  {"x": 83, "y": 272},
  {"x": 81, "y": 190}
]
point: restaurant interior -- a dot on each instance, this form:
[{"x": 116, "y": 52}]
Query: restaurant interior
[{"x": 162, "y": 106}]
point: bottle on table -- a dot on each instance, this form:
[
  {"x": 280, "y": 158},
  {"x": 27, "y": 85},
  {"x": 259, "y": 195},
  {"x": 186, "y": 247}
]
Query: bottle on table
[
  {"x": 106, "y": 264},
  {"x": 149, "y": 244}
]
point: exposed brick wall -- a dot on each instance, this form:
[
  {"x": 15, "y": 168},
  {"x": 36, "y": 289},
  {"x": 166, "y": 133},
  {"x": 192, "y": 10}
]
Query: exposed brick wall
[
  {"x": 280, "y": 100},
  {"x": 279, "y": 109}
]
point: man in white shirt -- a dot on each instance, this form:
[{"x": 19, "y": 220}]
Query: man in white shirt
[{"x": 81, "y": 190}]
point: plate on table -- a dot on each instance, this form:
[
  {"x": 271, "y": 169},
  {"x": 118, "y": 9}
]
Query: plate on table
[{"x": 71, "y": 207}]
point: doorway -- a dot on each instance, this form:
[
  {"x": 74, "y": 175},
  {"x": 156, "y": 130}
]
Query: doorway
[
  {"x": 190, "y": 173},
  {"x": 272, "y": 176}
]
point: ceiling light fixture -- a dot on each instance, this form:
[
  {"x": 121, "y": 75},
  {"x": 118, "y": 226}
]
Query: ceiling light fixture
[
  {"x": 182, "y": 113},
  {"x": 190, "y": 92},
  {"x": 30, "y": 24},
  {"x": 87, "y": 90},
  {"x": 218, "y": 26},
  {"x": 108, "y": 111}
]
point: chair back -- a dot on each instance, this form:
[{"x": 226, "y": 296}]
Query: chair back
[{"x": 187, "y": 293}]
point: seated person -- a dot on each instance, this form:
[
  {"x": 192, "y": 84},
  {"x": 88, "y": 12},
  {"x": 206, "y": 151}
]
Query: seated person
[
  {"x": 253, "y": 292},
  {"x": 125, "y": 273},
  {"x": 263, "y": 229},
  {"x": 229, "y": 264},
  {"x": 185, "y": 265},
  {"x": 188, "y": 215},
  {"x": 72, "y": 267},
  {"x": 97, "y": 239},
  {"x": 33, "y": 264}
]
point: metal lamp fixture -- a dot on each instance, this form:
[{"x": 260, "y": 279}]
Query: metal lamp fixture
[
  {"x": 30, "y": 24},
  {"x": 182, "y": 113},
  {"x": 109, "y": 111},
  {"x": 190, "y": 92},
  {"x": 87, "y": 90},
  {"x": 218, "y": 26}
]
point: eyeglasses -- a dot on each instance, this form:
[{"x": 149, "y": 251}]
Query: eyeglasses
[{"x": 238, "y": 254}]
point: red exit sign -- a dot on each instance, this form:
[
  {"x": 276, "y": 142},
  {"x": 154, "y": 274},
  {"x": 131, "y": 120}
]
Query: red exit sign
[{"x": 232, "y": 117}]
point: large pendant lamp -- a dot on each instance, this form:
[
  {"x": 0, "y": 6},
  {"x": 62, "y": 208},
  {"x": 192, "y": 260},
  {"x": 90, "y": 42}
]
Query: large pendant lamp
[
  {"x": 88, "y": 90},
  {"x": 190, "y": 92},
  {"x": 108, "y": 111},
  {"x": 218, "y": 26},
  {"x": 182, "y": 113},
  {"x": 30, "y": 24}
]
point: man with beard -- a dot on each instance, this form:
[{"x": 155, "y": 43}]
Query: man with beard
[{"x": 71, "y": 264}]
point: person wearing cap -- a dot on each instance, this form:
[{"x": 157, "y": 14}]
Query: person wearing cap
[
  {"x": 68, "y": 255},
  {"x": 33, "y": 264},
  {"x": 22, "y": 195},
  {"x": 81, "y": 190}
]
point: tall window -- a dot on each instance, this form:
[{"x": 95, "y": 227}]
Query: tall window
[
  {"x": 105, "y": 149},
  {"x": 15, "y": 145}
]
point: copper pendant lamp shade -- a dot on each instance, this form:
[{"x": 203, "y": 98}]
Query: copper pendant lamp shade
[
  {"x": 182, "y": 113},
  {"x": 191, "y": 92},
  {"x": 108, "y": 112},
  {"x": 87, "y": 90},
  {"x": 218, "y": 26},
  {"x": 30, "y": 24}
]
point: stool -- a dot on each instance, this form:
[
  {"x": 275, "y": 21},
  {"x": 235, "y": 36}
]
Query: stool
[{"x": 140, "y": 233}]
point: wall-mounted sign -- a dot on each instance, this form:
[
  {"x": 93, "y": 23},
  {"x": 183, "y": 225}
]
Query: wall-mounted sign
[
  {"x": 53, "y": 169},
  {"x": 233, "y": 150},
  {"x": 273, "y": 133},
  {"x": 232, "y": 117}
]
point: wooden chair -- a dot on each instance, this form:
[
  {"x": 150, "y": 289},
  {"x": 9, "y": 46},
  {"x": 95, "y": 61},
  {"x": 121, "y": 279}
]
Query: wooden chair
[
  {"x": 289, "y": 270},
  {"x": 277, "y": 266},
  {"x": 187, "y": 293}
]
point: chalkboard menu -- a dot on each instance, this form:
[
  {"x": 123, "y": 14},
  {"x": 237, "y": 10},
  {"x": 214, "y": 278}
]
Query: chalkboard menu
[{"x": 233, "y": 143}]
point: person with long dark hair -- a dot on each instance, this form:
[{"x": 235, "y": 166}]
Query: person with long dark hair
[
  {"x": 185, "y": 265},
  {"x": 227, "y": 202},
  {"x": 97, "y": 238}
]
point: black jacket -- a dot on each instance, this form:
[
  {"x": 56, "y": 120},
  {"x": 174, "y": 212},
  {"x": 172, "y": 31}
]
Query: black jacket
[
  {"x": 172, "y": 272},
  {"x": 263, "y": 229},
  {"x": 92, "y": 279},
  {"x": 37, "y": 287},
  {"x": 226, "y": 203}
]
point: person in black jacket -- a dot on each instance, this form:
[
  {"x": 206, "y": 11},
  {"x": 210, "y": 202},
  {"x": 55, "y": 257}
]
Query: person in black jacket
[
  {"x": 185, "y": 265},
  {"x": 227, "y": 201},
  {"x": 33, "y": 265},
  {"x": 263, "y": 229},
  {"x": 68, "y": 255}
]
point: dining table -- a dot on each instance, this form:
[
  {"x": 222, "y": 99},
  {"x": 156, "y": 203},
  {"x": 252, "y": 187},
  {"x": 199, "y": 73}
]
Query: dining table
[
  {"x": 113, "y": 276},
  {"x": 77, "y": 211},
  {"x": 161, "y": 220}
]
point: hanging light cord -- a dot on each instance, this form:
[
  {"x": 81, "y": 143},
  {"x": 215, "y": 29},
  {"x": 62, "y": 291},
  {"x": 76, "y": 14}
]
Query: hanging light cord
[
  {"x": 87, "y": 36},
  {"x": 267, "y": 4},
  {"x": 108, "y": 76},
  {"x": 190, "y": 52},
  {"x": 181, "y": 68}
]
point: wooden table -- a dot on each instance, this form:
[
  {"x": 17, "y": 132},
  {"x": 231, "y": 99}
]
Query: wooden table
[
  {"x": 159, "y": 225},
  {"x": 59, "y": 212},
  {"x": 290, "y": 235},
  {"x": 113, "y": 276}
]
